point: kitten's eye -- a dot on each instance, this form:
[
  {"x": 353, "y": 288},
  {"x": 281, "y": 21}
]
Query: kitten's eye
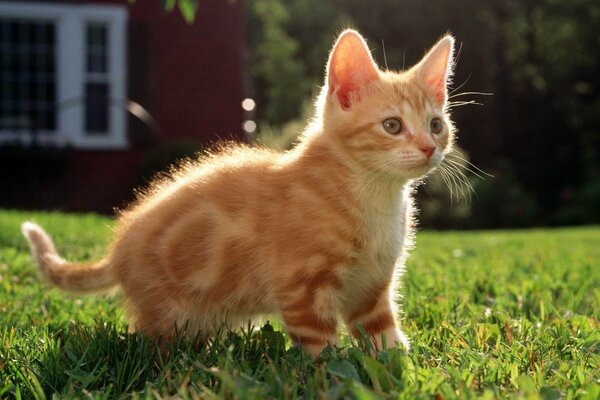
[
  {"x": 436, "y": 125},
  {"x": 392, "y": 126}
]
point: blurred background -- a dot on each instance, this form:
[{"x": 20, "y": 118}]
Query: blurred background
[{"x": 96, "y": 97}]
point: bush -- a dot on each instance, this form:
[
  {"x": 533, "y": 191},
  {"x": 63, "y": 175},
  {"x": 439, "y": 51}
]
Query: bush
[
  {"x": 502, "y": 202},
  {"x": 285, "y": 136}
]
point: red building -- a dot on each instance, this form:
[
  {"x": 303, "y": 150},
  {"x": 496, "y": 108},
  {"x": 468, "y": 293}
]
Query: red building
[{"x": 90, "y": 90}]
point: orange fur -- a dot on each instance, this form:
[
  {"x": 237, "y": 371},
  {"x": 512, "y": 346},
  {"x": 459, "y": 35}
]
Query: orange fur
[{"x": 312, "y": 234}]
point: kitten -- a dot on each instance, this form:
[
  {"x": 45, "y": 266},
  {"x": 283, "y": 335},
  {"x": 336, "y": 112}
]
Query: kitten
[{"x": 313, "y": 234}]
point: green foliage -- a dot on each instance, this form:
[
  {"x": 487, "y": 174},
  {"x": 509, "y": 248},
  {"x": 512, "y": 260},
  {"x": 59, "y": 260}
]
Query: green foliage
[
  {"x": 274, "y": 61},
  {"x": 187, "y": 8},
  {"x": 284, "y": 137},
  {"x": 490, "y": 315},
  {"x": 512, "y": 204},
  {"x": 314, "y": 25}
]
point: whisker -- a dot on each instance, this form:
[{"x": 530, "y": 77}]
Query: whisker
[
  {"x": 452, "y": 104},
  {"x": 470, "y": 93},
  {"x": 462, "y": 182},
  {"x": 459, "y": 86},
  {"x": 452, "y": 183},
  {"x": 459, "y": 165},
  {"x": 461, "y": 177},
  {"x": 457, "y": 170},
  {"x": 456, "y": 165},
  {"x": 446, "y": 180},
  {"x": 458, "y": 53},
  {"x": 384, "y": 56},
  {"x": 455, "y": 155}
]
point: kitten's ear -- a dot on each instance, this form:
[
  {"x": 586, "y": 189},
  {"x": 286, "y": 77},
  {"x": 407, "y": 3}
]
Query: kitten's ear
[
  {"x": 350, "y": 67},
  {"x": 435, "y": 69}
]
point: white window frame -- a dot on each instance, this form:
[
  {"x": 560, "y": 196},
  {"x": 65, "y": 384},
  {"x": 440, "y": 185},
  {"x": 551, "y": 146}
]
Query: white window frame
[{"x": 70, "y": 26}]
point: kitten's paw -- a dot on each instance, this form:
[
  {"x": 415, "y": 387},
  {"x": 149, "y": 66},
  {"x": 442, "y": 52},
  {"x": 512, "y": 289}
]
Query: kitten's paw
[{"x": 391, "y": 337}]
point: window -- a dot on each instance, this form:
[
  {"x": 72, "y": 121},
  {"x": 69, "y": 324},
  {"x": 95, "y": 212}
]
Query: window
[
  {"x": 27, "y": 75},
  {"x": 97, "y": 93},
  {"x": 62, "y": 74}
]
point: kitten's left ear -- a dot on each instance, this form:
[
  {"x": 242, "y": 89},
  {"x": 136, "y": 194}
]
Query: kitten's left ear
[
  {"x": 435, "y": 69},
  {"x": 350, "y": 68}
]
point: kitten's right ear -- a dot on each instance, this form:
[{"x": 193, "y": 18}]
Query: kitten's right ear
[
  {"x": 350, "y": 68},
  {"x": 435, "y": 69}
]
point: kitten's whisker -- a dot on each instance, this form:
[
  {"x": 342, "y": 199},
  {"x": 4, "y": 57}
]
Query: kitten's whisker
[
  {"x": 461, "y": 166},
  {"x": 452, "y": 104},
  {"x": 459, "y": 86},
  {"x": 460, "y": 158},
  {"x": 470, "y": 94},
  {"x": 452, "y": 187},
  {"x": 473, "y": 165},
  {"x": 451, "y": 182},
  {"x": 465, "y": 167},
  {"x": 458, "y": 53},
  {"x": 444, "y": 176},
  {"x": 457, "y": 183},
  {"x": 460, "y": 179},
  {"x": 384, "y": 56},
  {"x": 465, "y": 182}
]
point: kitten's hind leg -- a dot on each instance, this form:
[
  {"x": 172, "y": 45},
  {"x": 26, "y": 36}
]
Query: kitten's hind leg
[{"x": 168, "y": 335}]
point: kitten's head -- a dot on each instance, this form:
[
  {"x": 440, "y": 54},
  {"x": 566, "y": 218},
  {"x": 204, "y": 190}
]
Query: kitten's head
[{"x": 383, "y": 121}]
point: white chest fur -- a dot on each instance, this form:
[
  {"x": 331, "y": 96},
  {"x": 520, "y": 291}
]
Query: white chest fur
[{"x": 384, "y": 237}]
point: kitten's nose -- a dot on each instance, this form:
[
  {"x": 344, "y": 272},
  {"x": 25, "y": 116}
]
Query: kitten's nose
[{"x": 428, "y": 150}]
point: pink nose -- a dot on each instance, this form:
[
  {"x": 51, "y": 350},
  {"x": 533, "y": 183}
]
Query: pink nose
[{"x": 428, "y": 150}]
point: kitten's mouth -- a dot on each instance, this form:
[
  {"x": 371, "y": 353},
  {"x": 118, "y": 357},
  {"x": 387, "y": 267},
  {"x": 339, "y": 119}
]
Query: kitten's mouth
[
  {"x": 435, "y": 161},
  {"x": 429, "y": 163}
]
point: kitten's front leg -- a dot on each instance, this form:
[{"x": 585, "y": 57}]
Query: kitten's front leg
[
  {"x": 310, "y": 316},
  {"x": 377, "y": 317}
]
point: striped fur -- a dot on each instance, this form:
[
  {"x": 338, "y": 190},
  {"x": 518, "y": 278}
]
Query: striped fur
[{"x": 316, "y": 235}]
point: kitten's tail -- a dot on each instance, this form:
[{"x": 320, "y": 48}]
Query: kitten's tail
[{"x": 76, "y": 277}]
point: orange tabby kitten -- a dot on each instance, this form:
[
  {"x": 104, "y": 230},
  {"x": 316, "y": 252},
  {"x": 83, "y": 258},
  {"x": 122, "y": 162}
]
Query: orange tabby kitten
[{"x": 313, "y": 234}]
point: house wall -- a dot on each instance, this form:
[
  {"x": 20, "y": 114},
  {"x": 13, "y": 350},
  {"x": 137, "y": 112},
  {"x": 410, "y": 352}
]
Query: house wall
[
  {"x": 188, "y": 76},
  {"x": 195, "y": 70}
]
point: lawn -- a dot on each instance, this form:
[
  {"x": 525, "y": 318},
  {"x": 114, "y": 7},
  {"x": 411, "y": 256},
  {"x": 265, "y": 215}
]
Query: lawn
[{"x": 490, "y": 314}]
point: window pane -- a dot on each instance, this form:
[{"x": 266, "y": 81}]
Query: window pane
[
  {"x": 27, "y": 66},
  {"x": 96, "y": 108},
  {"x": 96, "y": 48}
]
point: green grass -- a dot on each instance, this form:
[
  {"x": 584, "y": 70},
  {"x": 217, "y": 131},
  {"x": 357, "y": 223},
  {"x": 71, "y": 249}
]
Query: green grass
[{"x": 490, "y": 314}]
